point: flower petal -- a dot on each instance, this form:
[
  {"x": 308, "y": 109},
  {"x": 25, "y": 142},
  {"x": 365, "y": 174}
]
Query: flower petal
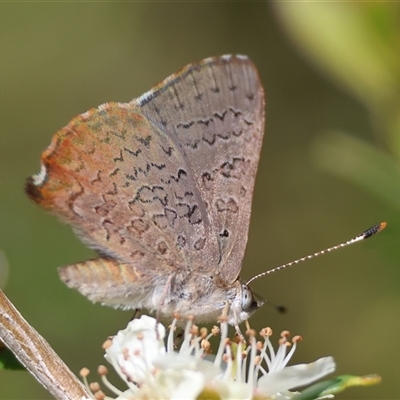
[
  {"x": 178, "y": 361},
  {"x": 294, "y": 376},
  {"x": 181, "y": 384},
  {"x": 134, "y": 348},
  {"x": 228, "y": 389}
]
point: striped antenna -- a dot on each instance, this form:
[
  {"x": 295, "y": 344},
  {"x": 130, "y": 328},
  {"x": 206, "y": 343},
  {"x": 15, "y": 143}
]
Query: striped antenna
[{"x": 364, "y": 235}]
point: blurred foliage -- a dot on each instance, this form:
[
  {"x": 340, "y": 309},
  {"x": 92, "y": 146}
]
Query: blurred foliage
[
  {"x": 357, "y": 44},
  {"x": 8, "y": 359},
  {"x": 60, "y": 59},
  {"x": 4, "y": 269}
]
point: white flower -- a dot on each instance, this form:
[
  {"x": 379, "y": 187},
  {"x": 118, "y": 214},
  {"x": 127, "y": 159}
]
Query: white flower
[
  {"x": 134, "y": 349},
  {"x": 280, "y": 378},
  {"x": 152, "y": 370}
]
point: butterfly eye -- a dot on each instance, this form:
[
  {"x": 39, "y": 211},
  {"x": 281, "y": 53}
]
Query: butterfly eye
[{"x": 247, "y": 297}]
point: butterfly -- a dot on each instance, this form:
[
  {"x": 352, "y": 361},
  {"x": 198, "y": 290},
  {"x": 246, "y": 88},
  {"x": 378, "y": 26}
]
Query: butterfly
[{"x": 161, "y": 187}]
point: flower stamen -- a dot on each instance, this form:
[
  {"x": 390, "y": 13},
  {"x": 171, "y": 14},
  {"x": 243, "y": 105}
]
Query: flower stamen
[{"x": 153, "y": 370}]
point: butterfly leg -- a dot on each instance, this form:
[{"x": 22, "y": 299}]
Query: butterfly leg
[
  {"x": 179, "y": 338},
  {"x": 239, "y": 332},
  {"x": 247, "y": 324},
  {"x": 136, "y": 314},
  {"x": 164, "y": 295}
]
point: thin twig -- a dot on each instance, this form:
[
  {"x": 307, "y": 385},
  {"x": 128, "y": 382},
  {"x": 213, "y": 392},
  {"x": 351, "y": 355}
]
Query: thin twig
[{"x": 36, "y": 355}]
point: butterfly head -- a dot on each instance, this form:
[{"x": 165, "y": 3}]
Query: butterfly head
[{"x": 244, "y": 304}]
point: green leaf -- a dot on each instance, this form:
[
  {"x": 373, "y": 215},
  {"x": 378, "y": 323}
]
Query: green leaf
[
  {"x": 336, "y": 385},
  {"x": 8, "y": 359}
]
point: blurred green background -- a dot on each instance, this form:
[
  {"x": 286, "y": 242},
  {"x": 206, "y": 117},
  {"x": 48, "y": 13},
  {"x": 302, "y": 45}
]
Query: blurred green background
[{"x": 329, "y": 166}]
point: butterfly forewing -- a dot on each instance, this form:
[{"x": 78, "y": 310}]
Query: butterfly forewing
[
  {"x": 126, "y": 201},
  {"x": 162, "y": 185},
  {"x": 214, "y": 113}
]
